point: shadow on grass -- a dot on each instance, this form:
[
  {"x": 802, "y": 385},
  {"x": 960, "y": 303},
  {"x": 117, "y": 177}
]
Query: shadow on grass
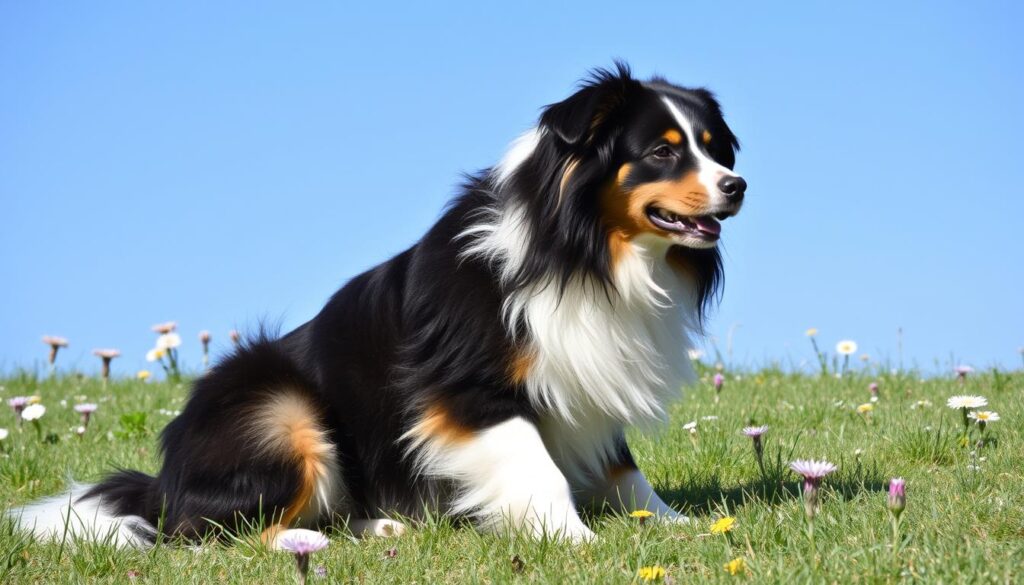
[{"x": 705, "y": 495}]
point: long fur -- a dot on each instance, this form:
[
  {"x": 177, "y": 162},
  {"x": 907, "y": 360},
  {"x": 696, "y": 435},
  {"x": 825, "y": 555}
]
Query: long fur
[{"x": 489, "y": 371}]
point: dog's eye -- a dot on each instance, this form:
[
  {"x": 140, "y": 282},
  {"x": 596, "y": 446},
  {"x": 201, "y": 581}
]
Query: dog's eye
[{"x": 663, "y": 151}]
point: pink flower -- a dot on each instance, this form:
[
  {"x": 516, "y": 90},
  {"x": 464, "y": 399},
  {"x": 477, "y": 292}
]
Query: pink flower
[
  {"x": 106, "y": 355},
  {"x": 811, "y": 469},
  {"x": 18, "y": 403},
  {"x": 755, "y": 432},
  {"x": 301, "y": 543},
  {"x": 86, "y": 411},
  {"x": 235, "y": 337},
  {"x": 204, "y": 336},
  {"x": 873, "y": 388},
  {"x": 897, "y": 495},
  {"x": 813, "y": 472},
  {"x": 962, "y": 371},
  {"x": 719, "y": 381},
  {"x": 164, "y": 328},
  {"x": 755, "y": 435},
  {"x": 55, "y": 342}
]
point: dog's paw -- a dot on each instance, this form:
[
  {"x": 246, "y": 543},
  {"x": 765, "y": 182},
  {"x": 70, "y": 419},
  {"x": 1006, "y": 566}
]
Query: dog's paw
[
  {"x": 675, "y": 518},
  {"x": 582, "y": 536},
  {"x": 382, "y": 527}
]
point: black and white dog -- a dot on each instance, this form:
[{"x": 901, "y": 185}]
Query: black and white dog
[{"x": 488, "y": 371}]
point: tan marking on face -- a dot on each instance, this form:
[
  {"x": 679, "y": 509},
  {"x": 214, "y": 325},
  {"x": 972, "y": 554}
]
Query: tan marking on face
[
  {"x": 672, "y": 136},
  {"x": 625, "y": 209},
  {"x": 437, "y": 425},
  {"x": 519, "y": 368},
  {"x": 706, "y": 137},
  {"x": 287, "y": 426}
]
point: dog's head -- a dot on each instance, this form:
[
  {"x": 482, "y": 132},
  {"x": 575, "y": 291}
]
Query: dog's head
[
  {"x": 662, "y": 157},
  {"x": 622, "y": 160}
]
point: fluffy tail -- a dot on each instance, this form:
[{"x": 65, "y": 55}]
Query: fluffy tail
[{"x": 114, "y": 511}]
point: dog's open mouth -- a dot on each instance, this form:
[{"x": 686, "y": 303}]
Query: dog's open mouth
[{"x": 704, "y": 227}]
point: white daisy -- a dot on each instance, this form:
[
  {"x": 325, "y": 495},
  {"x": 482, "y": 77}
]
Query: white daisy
[
  {"x": 966, "y": 401},
  {"x": 33, "y": 412},
  {"x": 168, "y": 341},
  {"x": 846, "y": 347},
  {"x": 984, "y": 416}
]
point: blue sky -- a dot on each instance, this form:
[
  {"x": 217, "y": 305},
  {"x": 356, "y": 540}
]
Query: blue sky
[{"x": 222, "y": 164}]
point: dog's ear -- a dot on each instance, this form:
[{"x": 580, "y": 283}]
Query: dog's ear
[{"x": 579, "y": 118}]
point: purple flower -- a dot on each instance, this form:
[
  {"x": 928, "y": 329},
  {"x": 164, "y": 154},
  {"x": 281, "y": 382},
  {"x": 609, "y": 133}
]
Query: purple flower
[
  {"x": 301, "y": 543},
  {"x": 812, "y": 471},
  {"x": 320, "y": 571},
  {"x": 85, "y": 410},
  {"x": 719, "y": 382},
  {"x": 755, "y": 435},
  {"x": 962, "y": 371},
  {"x": 18, "y": 403},
  {"x": 873, "y": 388},
  {"x": 897, "y": 495},
  {"x": 755, "y": 432}
]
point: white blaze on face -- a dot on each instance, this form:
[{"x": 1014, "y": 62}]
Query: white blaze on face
[{"x": 709, "y": 172}]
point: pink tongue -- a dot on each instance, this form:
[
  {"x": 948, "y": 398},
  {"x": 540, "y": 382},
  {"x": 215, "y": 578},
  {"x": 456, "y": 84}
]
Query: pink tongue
[{"x": 707, "y": 224}]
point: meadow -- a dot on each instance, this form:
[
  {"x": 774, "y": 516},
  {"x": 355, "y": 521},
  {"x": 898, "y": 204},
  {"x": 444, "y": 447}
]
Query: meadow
[{"x": 963, "y": 523}]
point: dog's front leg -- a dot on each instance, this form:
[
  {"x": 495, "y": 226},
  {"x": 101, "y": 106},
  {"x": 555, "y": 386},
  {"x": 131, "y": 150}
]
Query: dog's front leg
[
  {"x": 505, "y": 477},
  {"x": 625, "y": 489}
]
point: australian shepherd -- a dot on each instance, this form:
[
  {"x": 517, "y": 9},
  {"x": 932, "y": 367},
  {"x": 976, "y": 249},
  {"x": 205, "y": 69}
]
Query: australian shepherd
[{"x": 489, "y": 371}]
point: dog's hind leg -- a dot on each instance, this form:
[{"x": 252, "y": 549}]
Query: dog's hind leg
[{"x": 286, "y": 427}]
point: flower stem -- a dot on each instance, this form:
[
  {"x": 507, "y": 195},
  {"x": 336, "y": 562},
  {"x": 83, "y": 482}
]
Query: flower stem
[
  {"x": 895, "y": 538},
  {"x": 821, "y": 358}
]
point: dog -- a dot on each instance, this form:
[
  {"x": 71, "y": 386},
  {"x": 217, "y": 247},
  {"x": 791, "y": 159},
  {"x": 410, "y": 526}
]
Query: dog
[{"x": 489, "y": 371}]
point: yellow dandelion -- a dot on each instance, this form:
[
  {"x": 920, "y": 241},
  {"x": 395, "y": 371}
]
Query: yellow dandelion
[
  {"x": 811, "y": 332},
  {"x": 865, "y": 408},
  {"x": 735, "y": 566},
  {"x": 641, "y": 515},
  {"x": 655, "y": 573},
  {"x": 143, "y": 375},
  {"x": 35, "y": 399},
  {"x": 723, "y": 525}
]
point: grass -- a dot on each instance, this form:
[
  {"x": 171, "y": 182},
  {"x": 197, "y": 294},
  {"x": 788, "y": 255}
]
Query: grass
[{"x": 962, "y": 524}]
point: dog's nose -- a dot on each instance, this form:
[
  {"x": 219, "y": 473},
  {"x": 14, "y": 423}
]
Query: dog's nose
[{"x": 732, "y": 187}]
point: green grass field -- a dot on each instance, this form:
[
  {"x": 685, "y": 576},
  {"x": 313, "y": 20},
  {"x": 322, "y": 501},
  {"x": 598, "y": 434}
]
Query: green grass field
[{"x": 964, "y": 521}]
